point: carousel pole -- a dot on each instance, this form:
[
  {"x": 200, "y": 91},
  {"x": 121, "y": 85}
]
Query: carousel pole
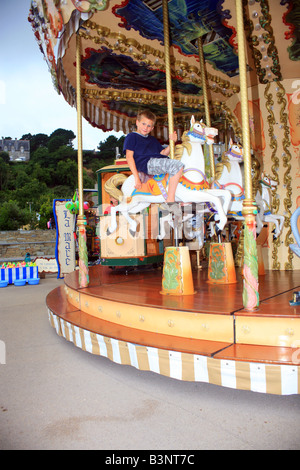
[
  {"x": 168, "y": 75},
  {"x": 177, "y": 271},
  {"x": 250, "y": 268},
  {"x": 81, "y": 220},
  {"x": 206, "y": 104}
]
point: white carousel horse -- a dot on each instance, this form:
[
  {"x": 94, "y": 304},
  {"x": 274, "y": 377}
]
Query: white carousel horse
[
  {"x": 193, "y": 186},
  {"x": 229, "y": 176},
  {"x": 263, "y": 200},
  {"x": 295, "y": 247}
]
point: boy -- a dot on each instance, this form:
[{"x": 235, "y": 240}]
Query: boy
[{"x": 144, "y": 153}]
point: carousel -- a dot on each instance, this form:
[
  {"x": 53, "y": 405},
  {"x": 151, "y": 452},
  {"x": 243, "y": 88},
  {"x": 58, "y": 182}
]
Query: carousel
[{"x": 214, "y": 290}]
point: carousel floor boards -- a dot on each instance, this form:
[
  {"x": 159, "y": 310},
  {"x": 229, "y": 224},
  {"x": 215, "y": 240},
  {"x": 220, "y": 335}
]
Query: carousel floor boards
[{"x": 206, "y": 337}]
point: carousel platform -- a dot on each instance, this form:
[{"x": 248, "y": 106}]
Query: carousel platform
[{"x": 206, "y": 337}]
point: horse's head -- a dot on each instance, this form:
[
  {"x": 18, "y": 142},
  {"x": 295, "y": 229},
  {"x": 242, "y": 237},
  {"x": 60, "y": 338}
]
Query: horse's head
[
  {"x": 234, "y": 152},
  {"x": 267, "y": 181},
  {"x": 200, "y": 133}
]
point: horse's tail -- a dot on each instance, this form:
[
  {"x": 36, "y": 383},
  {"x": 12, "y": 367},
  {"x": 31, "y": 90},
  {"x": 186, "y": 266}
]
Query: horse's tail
[{"x": 111, "y": 185}]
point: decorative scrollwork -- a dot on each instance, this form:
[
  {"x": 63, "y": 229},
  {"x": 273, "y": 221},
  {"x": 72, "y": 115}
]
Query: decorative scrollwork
[
  {"x": 231, "y": 119},
  {"x": 287, "y": 179},
  {"x": 275, "y": 165},
  {"x": 268, "y": 39}
]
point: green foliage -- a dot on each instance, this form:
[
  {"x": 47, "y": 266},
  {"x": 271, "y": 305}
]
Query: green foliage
[
  {"x": 12, "y": 216},
  {"x": 27, "y": 189}
]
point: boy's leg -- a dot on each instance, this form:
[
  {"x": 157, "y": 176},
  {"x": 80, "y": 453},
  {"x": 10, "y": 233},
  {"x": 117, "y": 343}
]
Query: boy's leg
[
  {"x": 174, "y": 168},
  {"x": 173, "y": 183}
]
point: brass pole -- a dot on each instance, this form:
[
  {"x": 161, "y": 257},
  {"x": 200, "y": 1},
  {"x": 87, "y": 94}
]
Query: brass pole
[
  {"x": 81, "y": 220},
  {"x": 250, "y": 270},
  {"x": 206, "y": 104},
  {"x": 168, "y": 75},
  {"x": 79, "y": 124},
  {"x": 244, "y": 99}
]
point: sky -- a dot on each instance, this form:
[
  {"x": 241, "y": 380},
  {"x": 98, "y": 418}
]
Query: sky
[{"x": 29, "y": 102}]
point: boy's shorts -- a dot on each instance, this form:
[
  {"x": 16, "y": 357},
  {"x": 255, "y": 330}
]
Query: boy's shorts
[{"x": 158, "y": 166}]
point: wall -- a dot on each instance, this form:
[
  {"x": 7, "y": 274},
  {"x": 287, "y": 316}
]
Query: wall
[{"x": 15, "y": 244}]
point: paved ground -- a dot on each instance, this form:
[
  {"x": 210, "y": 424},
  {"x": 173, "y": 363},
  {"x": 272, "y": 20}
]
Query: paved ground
[{"x": 55, "y": 396}]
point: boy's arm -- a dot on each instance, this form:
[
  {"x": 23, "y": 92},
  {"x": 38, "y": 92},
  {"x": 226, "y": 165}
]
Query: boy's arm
[
  {"x": 166, "y": 150},
  {"x": 131, "y": 164}
]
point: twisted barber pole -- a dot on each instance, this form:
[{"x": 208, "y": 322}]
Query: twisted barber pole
[
  {"x": 83, "y": 258},
  {"x": 250, "y": 291}
]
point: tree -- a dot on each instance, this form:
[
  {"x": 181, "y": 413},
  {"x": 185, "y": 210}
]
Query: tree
[
  {"x": 12, "y": 217},
  {"x": 38, "y": 140},
  {"x": 4, "y": 174},
  {"x": 67, "y": 173},
  {"x": 41, "y": 156},
  {"x": 55, "y": 143},
  {"x": 65, "y": 136},
  {"x": 4, "y": 156},
  {"x": 46, "y": 210},
  {"x": 51, "y": 173},
  {"x": 30, "y": 192},
  {"x": 107, "y": 149},
  {"x": 63, "y": 153}
]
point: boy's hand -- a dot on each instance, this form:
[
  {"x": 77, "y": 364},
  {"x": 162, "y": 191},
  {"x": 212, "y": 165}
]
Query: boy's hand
[
  {"x": 173, "y": 136},
  {"x": 137, "y": 182}
]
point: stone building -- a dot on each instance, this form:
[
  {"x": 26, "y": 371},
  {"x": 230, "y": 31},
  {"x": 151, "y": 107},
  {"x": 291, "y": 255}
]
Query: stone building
[{"x": 18, "y": 150}]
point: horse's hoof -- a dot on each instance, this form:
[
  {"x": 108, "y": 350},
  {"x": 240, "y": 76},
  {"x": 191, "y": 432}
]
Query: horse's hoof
[
  {"x": 135, "y": 232},
  {"x": 108, "y": 232}
]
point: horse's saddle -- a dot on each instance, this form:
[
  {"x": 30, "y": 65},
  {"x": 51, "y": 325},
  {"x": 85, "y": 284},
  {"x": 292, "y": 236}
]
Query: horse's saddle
[
  {"x": 152, "y": 185},
  {"x": 157, "y": 185}
]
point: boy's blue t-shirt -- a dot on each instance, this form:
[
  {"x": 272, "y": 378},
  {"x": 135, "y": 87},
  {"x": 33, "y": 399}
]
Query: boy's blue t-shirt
[{"x": 143, "y": 149}]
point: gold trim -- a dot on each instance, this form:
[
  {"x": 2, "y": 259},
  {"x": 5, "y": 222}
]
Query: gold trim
[
  {"x": 153, "y": 57},
  {"x": 206, "y": 105},
  {"x": 168, "y": 75}
]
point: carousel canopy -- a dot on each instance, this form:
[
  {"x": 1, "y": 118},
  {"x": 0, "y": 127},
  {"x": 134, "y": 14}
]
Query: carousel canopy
[{"x": 122, "y": 55}]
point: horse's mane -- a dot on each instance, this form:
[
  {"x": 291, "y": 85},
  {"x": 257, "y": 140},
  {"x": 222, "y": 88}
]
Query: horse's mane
[
  {"x": 255, "y": 167},
  {"x": 111, "y": 186},
  {"x": 186, "y": 144},
  {"x": 220, "y": 166}
]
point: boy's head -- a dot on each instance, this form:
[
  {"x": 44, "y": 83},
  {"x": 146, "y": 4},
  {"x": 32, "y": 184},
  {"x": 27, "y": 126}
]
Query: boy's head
[{"x": 145, "y": 122}]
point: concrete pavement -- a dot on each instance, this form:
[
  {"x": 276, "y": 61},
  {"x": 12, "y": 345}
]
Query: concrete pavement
[{"x": 56, "y": 396}]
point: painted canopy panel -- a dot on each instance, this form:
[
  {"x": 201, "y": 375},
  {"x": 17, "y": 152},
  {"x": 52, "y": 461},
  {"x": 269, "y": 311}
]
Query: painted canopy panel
[
  {"x": 123, "y": 65},
  {"x": 189, "y": 19}
]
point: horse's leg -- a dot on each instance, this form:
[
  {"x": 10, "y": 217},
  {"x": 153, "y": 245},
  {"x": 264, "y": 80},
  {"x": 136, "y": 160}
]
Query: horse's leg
[
  {"x": 164, "y": 219},
  {"x": 278, "y": 224},
  {"x": 271, "y": 220},
  {"x": 281, "y": 222},
  {"x": 134, "y": 207},
  {"x": 123, "y": 209},
  {"x": 225, "y": 196},
  {"x": 113, "y": 220},
  {"x": 214, "y": 199},
  {"x": 259, "y": 223},
  {"x": 208, "y": 196}
]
